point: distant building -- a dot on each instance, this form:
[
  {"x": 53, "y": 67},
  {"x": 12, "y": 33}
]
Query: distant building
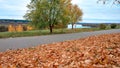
[{"x": 77, "y": 26}]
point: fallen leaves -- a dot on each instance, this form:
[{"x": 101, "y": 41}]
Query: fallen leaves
[{"x": 101, "y": 51}]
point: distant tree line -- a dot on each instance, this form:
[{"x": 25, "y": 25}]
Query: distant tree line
[
  {"x": 9, "y": 21},
  {"x": 111, "y": 26}
]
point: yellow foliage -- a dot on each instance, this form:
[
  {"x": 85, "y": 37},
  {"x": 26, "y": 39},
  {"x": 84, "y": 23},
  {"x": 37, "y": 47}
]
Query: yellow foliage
[
  {"x": 11, "y": 28},
  {"x": 19, "y": 28},
  {"x": 29, "y": 28}
]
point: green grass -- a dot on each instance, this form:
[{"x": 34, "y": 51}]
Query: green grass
[{"x": 44, "y": 32}]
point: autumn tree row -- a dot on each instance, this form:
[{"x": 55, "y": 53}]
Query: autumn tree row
[{"x": 48, "y": 13}]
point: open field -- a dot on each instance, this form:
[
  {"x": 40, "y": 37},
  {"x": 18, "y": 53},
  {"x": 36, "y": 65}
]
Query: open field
[
  {"x": 101, "y": 51},
  {"x": 44, "y": 32}
]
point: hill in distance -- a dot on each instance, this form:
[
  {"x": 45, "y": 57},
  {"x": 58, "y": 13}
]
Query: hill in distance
[{"x": 12, "y": 21}]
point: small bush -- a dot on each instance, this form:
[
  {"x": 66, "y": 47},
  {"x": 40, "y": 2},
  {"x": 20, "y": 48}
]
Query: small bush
[
  {"x": 24, "y": 28},
  {"x": 3, "y": 29},
  {"x": 113, "y": 26},
  {"x": 102, "y": 26}
]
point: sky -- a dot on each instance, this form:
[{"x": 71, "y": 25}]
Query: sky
[{"x": 92, "y": 11}]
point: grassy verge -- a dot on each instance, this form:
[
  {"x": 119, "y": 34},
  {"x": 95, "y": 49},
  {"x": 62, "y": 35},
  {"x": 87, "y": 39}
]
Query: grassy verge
[{"x": 44, "y": 32}]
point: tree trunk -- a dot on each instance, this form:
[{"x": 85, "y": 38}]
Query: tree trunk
[
  {"x": 72, "y": 25},
  {"x": 51, "y": 29}
]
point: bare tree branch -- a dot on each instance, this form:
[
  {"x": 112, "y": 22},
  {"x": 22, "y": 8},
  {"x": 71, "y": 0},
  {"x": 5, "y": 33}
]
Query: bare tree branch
[{"x": 105, "y": 1}]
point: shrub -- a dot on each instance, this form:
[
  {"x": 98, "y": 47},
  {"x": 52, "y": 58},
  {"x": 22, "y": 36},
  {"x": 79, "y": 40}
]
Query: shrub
[
  {"x": 3, "y": 29},
  {"x": 102, "y": 26},
  {"x": 24, "y": 28},
  {"x": 113, "y": 26}
]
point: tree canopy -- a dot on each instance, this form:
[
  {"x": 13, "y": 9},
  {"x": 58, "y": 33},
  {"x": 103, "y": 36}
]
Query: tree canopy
[
  {"x": 47, "y": 13},
  {"x": 76, "y": 14}
]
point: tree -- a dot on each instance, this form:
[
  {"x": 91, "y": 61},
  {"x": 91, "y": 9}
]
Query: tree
[
  {"x": 47, "y": 13},
  {"x": 102, "y": 26},
  {"x": 3, "y": 28},
  {"x": 76, "y": 14},
  {"x": 113, "y": 26},
  {"x": 113, "y": 1}
]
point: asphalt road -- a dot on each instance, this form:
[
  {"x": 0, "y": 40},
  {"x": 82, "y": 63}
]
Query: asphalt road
[{"x": 23, "y": 42}]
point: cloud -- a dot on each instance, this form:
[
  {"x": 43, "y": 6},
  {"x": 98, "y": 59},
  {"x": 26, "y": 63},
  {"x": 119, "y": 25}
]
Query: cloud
[
  {"x": 16, "y": 9},
  {"x": 92, "y": 10},
  {"x": 77, "y": 1},
  {"x": 12, "y": 8},
  {"x": 11, "y": 17},
  {"x": 1, "y": 0}
]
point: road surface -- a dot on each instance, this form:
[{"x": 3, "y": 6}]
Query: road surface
[{"x": 23, "y": 42}]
